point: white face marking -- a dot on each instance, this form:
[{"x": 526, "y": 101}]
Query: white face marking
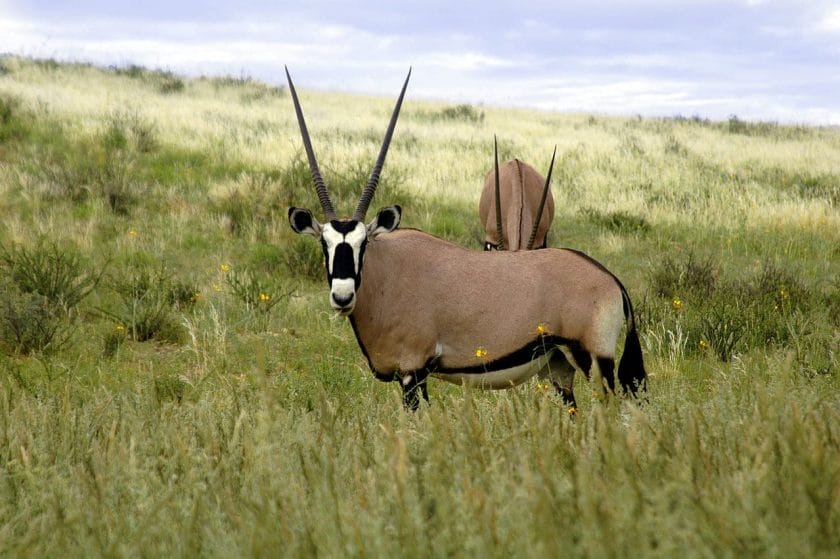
[{"x": 343, "y": 289}]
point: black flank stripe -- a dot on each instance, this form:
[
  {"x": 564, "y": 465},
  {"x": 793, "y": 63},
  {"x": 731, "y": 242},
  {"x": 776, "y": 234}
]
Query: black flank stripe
[{"x": 535, "y": 349}]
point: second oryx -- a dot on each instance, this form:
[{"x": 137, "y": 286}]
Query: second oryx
[
  {"x": 421, "y": 306},
  {"x": 515, "y": 207}
]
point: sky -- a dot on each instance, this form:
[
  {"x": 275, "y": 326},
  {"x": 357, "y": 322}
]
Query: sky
[{"x": 760, "y": 60}]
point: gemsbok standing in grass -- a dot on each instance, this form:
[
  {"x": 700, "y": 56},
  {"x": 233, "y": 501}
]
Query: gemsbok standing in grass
[
  {"x": 516, "y": 208},
  {"x": 420, "y": 305}
]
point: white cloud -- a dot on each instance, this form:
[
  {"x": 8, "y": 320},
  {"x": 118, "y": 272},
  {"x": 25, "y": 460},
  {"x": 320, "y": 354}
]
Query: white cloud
[
  {"x": 569, "y": 70},
  {"x": 464, "y": 61},
  {"x": 830, "y": 22}
]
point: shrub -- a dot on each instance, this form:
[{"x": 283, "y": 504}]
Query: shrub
[
  {"x": 14, "y": 125},
  {"x": 619, "y": 221},
  {"x": 672, "y": 277},
  {"x": 461, "y": 112},
  {"x": 257, "y": 293},
  {"x": 732, "y": 315},
  {"x": 170, "y": 83},
  {"x": 248, "y": 203},
  {"x": 57, "y": 274},
  {"x": 304, "y": 258},
  {"x": 28, "y": 321},
  {"x": 147, "y": 297}
]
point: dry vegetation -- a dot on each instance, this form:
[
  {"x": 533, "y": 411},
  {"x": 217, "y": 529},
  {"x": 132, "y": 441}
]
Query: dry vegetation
[{"x": 172, "y": 383}]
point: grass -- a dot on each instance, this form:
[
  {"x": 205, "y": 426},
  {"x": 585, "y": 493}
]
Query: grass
[{"x": 173, "y": 383}]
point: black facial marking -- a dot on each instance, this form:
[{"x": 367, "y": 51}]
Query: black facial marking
[
  {"x": 343, "y": 227},
  {"x": 343, "y": 265}
]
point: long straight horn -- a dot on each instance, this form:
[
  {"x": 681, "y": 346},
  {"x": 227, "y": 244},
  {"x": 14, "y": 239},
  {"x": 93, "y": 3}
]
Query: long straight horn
[
  {"x": 373, "y": 180},
  {"x": 542, "y": 203},
  {"x": 323, "y": 195},
  {"x": 499, "y": 236}
]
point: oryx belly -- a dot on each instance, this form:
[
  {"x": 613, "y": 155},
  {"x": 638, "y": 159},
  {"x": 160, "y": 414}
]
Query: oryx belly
[{"x": 496, "y": 379}]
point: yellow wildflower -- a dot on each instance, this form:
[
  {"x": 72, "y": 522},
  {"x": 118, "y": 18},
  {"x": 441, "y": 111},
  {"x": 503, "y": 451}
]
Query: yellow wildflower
[
  {"x": 703, "y": 345},
  {"x": 543, "y": 386},
  {"x": 572, "y": 410},
  {"x": 677, "y": 304},
  {"x": 133, "y": 233},
  {"x": 120, "y": 328},
  {"x": 224, "y": 268},
  {"x": 265, "y": 297},
  {"x": 542, "y": 329},
  {"x": 480, "y": 352},
  {"x": 784, "y": 294},
  {"x": 217, "y": 287}
]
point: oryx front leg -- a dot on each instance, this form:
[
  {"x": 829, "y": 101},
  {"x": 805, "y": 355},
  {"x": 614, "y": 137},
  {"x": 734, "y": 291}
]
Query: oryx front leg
[{"x": 414, "y": 385}]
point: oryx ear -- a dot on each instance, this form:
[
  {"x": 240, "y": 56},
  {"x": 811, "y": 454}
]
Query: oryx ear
[
  {"x": 385, "y": 221},
  {"x": 303, "y": 223}
]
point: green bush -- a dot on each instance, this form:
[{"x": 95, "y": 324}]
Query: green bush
[
  {"x": 14, "y": 125},
  {"x": 170, "y": 83},
  {"x": 57, "y": 273},
  {"x": 304, "y": 258},
  {"x": 29, "y": 322},
  {"x": 618, "y": 221},
  {"x": 727, "y": 316},
  {"x": 257, "y": 292},
  {"x": 147, "y": 297},
  {"x": 684, "y": 275},
  {"x": 462, "y": 112}
]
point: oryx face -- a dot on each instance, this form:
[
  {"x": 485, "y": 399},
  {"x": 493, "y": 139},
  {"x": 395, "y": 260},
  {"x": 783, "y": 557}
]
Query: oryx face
[
  {"x": 343, "y": 243},
  {"x": 344, "y": 240}
]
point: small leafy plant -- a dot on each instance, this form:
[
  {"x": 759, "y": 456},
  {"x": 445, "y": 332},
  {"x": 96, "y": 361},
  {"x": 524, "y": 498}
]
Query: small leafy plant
[{"x": 147, "y": 297}]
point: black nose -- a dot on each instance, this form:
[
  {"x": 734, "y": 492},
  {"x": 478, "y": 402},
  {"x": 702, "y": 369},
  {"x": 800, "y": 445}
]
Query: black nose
[{"x": 342, "y": 301}]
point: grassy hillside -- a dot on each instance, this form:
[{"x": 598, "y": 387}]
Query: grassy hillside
[{"x": 172, "y": 381}]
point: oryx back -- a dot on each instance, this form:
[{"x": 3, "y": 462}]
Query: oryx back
[{"x": 521, "y": 188}]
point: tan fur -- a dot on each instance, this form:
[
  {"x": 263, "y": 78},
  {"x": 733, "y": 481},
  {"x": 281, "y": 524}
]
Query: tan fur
[
  {"x": 521, "y": 188},
  {"x": 421, "y": 295}
]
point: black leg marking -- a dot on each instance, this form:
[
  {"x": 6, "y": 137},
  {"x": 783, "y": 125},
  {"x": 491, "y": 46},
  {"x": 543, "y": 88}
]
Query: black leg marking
[
  {"x": 583, "y": 360},
  {"x": 414, "y": 386},
  {"x": 607, "y": 366}
]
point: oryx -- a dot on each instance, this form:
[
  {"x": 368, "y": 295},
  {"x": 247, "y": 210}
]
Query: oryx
[
  {"x": 420, "y": 305},
  {"x": 515, "y": 208}
]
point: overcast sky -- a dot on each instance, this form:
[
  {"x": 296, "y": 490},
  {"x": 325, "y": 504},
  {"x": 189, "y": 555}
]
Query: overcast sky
[{"x": 767, "y": 60}]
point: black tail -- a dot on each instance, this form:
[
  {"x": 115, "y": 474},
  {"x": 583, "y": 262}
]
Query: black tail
[{"x": 631, "y": 367}]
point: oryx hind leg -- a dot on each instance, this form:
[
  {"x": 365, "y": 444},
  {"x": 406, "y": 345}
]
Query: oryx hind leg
[
  {"x": 601, "y": 370},
  {"x": 606, "y": 370},
  {"x": 562, "y": 376}
]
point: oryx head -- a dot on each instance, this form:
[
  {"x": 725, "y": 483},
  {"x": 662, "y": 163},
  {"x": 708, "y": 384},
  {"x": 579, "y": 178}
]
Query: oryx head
[{"x": 344, "y": 240}]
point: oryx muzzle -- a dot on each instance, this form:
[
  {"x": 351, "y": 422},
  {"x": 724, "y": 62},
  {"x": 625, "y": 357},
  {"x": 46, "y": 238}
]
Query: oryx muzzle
[{"x": 420, "y": 305}]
